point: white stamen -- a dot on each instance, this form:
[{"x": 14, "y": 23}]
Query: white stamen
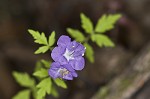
[
  {"x": 63, "y": 72},
  {"x": 68, "y": 54}
]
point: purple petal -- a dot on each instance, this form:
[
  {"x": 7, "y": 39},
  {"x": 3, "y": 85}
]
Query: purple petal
[
  {"x": 78, "y": 63},
  {"x": 68, "y": 67},
  {"x": 58, "y": 71},
  {"x": 63, "y": 41},
  {"x": 62, "y": 60},
  {"x": 78, "y": 48},
  {"x": 74, "y": 74},
  {"x": 79, "y": 51},
  {"x": 68, "y": 77},
  {"x": 72, "y": 71},
  {"x": 53, "y": 71},
  {"x": 72, "y": 46},
  {"x": 57, "y": 52}
]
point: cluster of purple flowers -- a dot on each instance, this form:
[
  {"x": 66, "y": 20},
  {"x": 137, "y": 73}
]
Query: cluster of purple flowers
[{"x": 68, "y": 57}]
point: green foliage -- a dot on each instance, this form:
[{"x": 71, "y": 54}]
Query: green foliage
[
  {"x": 42, "y": 49},
  {"x": 24, "y": 94},
  {"x": 102, "y": 40},
  {"x": 38, "y": 66},
  {"x": 41, "y": 73},
  {"x": 60, "y": 83},
  {"x": 45, "y": 84},
  {"x": 46, "y": 63},
  {"x": 87, "y": 25},
  {"x": 42, "y": 64},
  {"x": 44, "y": 87},
  {"x": 24, "y": 79},
  {"x": 89, "y": 52},
  {"x": 106, "y": 22},
  {"x": 76, "y": 34},
  {"x": 52, "y": 39},
  {"x": 41, "y": 39},
  {"x": 103, "y": 92},
  {"x": 54, "y": 92}
]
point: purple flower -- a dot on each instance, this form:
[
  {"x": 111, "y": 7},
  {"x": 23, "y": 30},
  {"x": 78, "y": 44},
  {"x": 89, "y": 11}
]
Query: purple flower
[
  {"x": 62, "y": 71},
  {"x": 69, "y": 52}
]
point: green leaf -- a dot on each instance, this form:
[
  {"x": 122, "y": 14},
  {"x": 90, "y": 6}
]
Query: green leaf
[
  {"x": 24, "y": 94},
  {"x": 87, "y": 25},
  {"x": 54, "y": 92},
  {"x": 41, "y": 73},
  {"x": 24, "y": 79},
  {"x": 38, "y": 66},
  {"x": 60, "y": 83},
  {"x": 42, "y": 63},
  {"x": 42, "y": 49},
  {"x": 76, "y": 34},
  {"x": 35, "y": 34},
  {"x": 89, "y": 53},
  {"x": 106, "y": 22},
  {"x": 102, "y": 40},
  {"x": 46, "y": 63},
  {"x": 44, "y": 87},
  {"x": 52, "y": 39},
  {"x": 39, "y": 38}
]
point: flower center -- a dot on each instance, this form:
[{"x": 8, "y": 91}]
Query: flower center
[
  {"x": 63, "y": 72},
  {"x": 68, "y": 54}
]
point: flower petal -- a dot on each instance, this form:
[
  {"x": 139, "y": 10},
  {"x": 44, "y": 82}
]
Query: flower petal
[
  {"x": 57, "y": 70},
  {"x": 79, "y": 51},
  {"x": 68, "y": 77},
  {"x": 74, "y": 74},
  {"x": 57, "y": 52},
  {"x": 53, "y": 71},
  {"x": 77, "y": 48},
  {"x": 72, "y": 46},
  {"x": 63, "y": 41},
  {"x": 71, "y": 70},
  {"x": 68, "y": 67},
  {"x": 62, "y": 60},
  {"x": 78, "y": 63}
]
